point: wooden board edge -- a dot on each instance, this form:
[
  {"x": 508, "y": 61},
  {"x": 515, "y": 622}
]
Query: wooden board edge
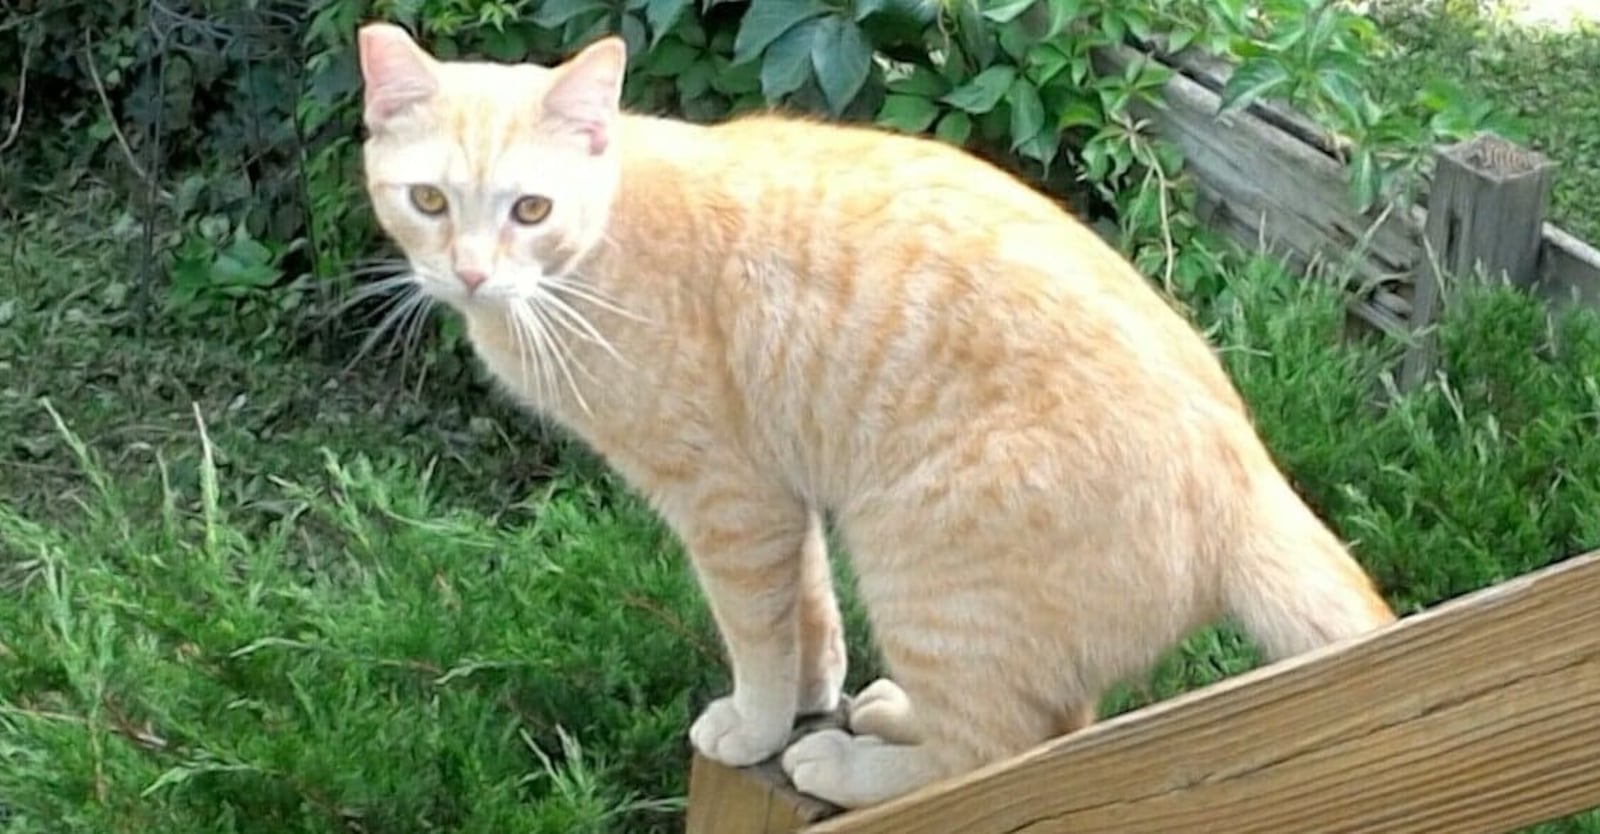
[{"x": 1451, "y": 620}]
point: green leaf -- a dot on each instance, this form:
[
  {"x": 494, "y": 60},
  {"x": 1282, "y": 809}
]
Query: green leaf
[
  {"x": 787, "y": 64},
  {"x": 633, "y": 34},
  {"x": 662, "y": 15},
  {"x": 984, "y": 91},
  {"x": 1005, "y": 11},
  {"x": 1027, "y": 112},
  {"x": 912, "y": 114},
  {"x": 694, "y": 81},
  {"x": 1179, "y": 39},
  {"x": 917, "y": 12},
  {"x": 1041, "y": 148},
  {"x": 768, "y": 20},
  {"x": 554, "y": 13},
  {"x": 1081, "y": 113},
  {"x": 1252, "y": 80},
  {"x": 842, "y": 59},
  {"x": 922, "y": 82},
  {"x": 670, "y": 58},
  {"x": 1046, "y": 61},
  {"x": 736, "y": 79},
  {"x": 954, "y": 128},
  {"x": 1062, "y": 14},
  {"x": 1365, "y": 179}
]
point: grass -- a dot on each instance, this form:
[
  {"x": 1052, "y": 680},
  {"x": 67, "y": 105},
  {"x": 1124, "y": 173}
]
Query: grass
[
  {"x": 1538, "y": 73},
  {"x": 244, "y": 591},
  {"x": 245, "y": 596}
]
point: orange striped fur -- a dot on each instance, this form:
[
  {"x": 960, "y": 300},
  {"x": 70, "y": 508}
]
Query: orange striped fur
[{"x": 1041, "y": 472}]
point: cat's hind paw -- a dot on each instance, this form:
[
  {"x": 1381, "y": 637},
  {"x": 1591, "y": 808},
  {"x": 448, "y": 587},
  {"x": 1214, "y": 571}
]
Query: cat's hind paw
[
  {"x": 819, "y": 764},
  {"x": 724, "y": 734},
  {"x": 883, "y": 709}
]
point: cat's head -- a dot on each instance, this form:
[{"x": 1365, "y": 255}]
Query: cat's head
[{"x": 492, "y": 178}]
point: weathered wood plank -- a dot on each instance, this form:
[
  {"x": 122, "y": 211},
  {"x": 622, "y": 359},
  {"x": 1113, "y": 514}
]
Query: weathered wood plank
[
  {"x": 752, "y": 800},
  {"x": 758, "y": 799},
  {"x": 1476, "y": 717},
  {"x": 1269, "y": 178},
  {"x": 1485, "y": 212},
  {"x": 1268, "y": 188},
  {"x": 1569, "y": 269}
]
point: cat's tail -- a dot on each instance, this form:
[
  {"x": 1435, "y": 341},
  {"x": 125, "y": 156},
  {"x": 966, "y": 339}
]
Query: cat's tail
[{"x": 1292, "y": 583}]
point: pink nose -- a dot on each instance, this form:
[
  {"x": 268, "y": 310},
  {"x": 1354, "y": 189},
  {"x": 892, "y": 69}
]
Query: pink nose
[{"x": 472, "y": 278}]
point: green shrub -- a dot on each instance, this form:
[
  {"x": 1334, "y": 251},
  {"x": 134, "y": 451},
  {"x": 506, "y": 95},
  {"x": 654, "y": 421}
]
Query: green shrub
[{"x": 258, "y": 117}]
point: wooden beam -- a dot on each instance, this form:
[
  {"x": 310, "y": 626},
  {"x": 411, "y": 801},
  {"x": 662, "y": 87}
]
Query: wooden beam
[
  {"x": 1260, "y": 182},
  {"x": 1485, "y": 217},
  {"x": 1268, "y": 177},
  {"x": 757, "y": 799},
  {"x": 1475, "y": 717}
]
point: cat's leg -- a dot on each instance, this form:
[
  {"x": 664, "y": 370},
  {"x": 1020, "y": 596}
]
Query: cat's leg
[
  {"x": 823, "y": 660},
  {"x": 745, "y": 544}
]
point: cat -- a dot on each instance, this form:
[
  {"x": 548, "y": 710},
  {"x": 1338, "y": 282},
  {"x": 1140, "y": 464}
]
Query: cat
[{"x": 1041, "y": 471}]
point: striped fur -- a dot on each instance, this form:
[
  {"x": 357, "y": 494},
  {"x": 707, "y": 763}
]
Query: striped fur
[{"x": 1041, "y": 472}]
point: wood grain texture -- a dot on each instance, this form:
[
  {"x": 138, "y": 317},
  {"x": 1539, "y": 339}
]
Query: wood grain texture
[
  {"x": 1477, "y": 717},
  {"x": 756, "y": 799},
  {"x": 1269, "y": 189},
  {"x": 753, "y": 800},
  {"x": 1270, "y": 178},
  {"x": 1569, "y": 269},
  {"x": 1485, "y": 216}
]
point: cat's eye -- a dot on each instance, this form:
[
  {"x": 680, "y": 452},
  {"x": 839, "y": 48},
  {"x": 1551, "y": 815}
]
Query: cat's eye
[
  {"x": 530, "y": 210},
  {"x": 428, "y": 199}
]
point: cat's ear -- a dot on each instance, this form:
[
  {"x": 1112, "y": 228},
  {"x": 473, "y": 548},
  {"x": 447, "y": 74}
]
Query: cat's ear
[
  {"x": 397, "y": 74},
  {"x": 587, "y": 94}
]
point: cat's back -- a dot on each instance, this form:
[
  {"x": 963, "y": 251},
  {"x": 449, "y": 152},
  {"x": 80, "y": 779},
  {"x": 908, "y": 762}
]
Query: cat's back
[{"x": 883, "y": 222}]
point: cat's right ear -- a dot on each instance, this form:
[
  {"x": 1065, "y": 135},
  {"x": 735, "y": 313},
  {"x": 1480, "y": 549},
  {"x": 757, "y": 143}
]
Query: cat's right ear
[{"x": 396, "y": 73}]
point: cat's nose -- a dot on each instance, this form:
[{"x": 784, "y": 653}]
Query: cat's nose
[{"x": 472, "y": 279}]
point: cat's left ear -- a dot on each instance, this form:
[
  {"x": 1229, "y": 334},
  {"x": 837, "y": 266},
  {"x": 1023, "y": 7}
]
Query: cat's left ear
[
  {"x": 587, "y": 94},
  {"x": 396, "y": 73}
]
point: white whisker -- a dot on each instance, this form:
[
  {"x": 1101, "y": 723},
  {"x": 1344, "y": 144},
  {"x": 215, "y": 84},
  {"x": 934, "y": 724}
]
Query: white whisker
[
  {"x": 379, "y": 287},
  {"x": 588, "y": 293},
  {"x": 562, "y": 360},
  {"x": 536, "y": 347},
  {"x": 400, "y": 308},
  {"x": 575, "y": 323}
]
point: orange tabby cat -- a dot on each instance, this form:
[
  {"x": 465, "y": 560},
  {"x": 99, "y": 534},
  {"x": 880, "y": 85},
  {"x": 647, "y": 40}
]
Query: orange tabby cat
[{"x": 1041, "y": 471}]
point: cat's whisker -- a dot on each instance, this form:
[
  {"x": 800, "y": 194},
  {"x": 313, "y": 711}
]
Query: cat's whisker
[
  {"x": 576, "y": 324},
  {"x": 532, "y": 346},
  {"x": 398, "y": 309},
  {"x": 562, "y": 360},
  {"x": 594, "y": 296},
  {"x": 421, "y": 310},
  {"x": 525, "y": 352},
  {"x": 379, "y": 287}
]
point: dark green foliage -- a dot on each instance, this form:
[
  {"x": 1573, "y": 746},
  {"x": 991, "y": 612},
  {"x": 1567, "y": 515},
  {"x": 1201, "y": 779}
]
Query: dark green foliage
[{"x": 242, "y": 115}]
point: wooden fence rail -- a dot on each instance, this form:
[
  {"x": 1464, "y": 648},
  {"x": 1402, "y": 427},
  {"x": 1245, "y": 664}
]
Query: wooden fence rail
[
  {"x": 1268, "y": 177},
  {"x": 1479, "y": 716}
]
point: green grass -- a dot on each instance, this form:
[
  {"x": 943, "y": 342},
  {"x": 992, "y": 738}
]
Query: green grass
[
  {"x": 312, "y": 603},
  {"x": 1542, "y": 75}
]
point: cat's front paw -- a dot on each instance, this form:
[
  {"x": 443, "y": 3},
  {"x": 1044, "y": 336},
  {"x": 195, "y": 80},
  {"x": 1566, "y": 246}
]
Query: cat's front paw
[{"x": 723, "y": 734}]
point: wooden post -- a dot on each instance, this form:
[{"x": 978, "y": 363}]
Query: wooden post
[
  {"x": 1485, "y": 213},
  {"x": 757, "y": 799}
]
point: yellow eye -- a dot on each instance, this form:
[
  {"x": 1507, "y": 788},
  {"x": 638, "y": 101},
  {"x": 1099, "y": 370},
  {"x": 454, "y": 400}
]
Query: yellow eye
[
  {"x": 531, "y": 210},
  {"x": 428, "y": 200}
]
